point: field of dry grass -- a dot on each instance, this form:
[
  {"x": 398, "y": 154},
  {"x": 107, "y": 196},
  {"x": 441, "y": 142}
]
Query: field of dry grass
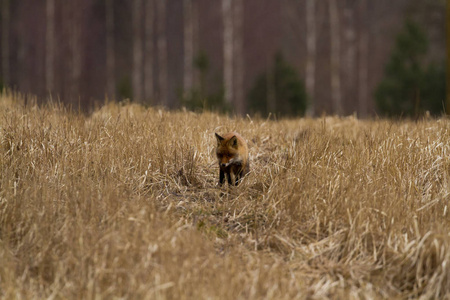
[{"x": 124, "y": 203}]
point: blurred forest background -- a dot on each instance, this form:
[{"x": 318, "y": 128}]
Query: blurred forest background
[{"x": 288, "y": 57}]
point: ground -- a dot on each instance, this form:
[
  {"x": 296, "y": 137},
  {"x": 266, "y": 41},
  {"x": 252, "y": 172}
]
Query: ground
[{"x": 124, "y": 203}]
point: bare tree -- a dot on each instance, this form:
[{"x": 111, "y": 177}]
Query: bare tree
[
  {"x": 188, "y": 45},
  {"x": 335, "y": 57},
  {"x": 310, "y": 80},
  {"x": 149, "y": 38},
  {"x": 5, "y": 42},
  {"x": 162, "y": 51},
  {"x": 363, "y": 61},
  {"x": 228, "y": 49},
  {"x": 137, "y": 80},
  {"x": 349, "y": 70},
  {"x": 110, "y": 52},
  {"x": 76, "y": 49},
  {"x": 238, "y": 54},
  {"x": 195, "y": 37},
  {"x": 447, "y": 107},
  {"x": 271, "y": 100},
  {"x": 50, "y": 46}
]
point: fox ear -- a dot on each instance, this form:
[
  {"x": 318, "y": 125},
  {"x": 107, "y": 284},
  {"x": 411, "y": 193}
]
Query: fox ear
[
  {"x": 219, "y": 138},
  {"x": 233, "y": 142}
]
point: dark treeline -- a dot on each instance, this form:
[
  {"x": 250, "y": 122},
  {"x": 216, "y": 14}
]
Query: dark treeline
[{"x": 244, "y": 56}]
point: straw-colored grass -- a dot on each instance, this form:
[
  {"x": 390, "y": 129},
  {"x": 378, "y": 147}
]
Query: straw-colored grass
[{"x": 124, "y": 203}]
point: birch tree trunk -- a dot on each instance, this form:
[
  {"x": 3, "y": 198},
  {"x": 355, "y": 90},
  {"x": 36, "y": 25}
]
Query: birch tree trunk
[
  {"x": 310, "y": 71},
  {"x": 162, "y": 51},
  {"x": 149, "y": 38},
  {"x": 50, "y": 46},
  {"x": 137, "y": 80},
  {"x": 5, "y": 42},
  {"x": 238, "y": 68},
  {"x": 188, "y": 45},
  {"x": 335, "y": 57},
  {"x": 363, "y": 62},
  {"x": 227, "y": 50},
  {"x": 110, "y": 52}
]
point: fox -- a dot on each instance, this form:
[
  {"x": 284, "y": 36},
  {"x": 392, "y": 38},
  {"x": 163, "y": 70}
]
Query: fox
[{"x": 232, "y": 155}]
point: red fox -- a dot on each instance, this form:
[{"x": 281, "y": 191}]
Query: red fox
[{"x": 232, "y": 153}]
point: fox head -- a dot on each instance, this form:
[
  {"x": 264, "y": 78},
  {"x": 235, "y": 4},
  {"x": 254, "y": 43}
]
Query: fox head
[{"x": 227, "y": 150}]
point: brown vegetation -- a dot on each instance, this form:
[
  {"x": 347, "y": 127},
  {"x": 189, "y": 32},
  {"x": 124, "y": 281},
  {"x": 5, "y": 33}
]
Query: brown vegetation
[{"x": 125, "y": 203}]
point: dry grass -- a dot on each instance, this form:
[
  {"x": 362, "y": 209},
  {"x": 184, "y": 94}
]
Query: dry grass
[{"x": 124, "y": 204}]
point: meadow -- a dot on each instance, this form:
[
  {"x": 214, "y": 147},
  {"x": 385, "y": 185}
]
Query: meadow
[{"x": 124, "y": 203}]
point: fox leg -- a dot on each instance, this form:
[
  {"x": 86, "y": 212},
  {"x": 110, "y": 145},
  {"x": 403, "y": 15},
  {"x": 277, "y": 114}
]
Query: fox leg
[
  {"x": 221, "y": 177},
  {"x": 229, "y": 178},
  {"x": 238, "y": 177}
]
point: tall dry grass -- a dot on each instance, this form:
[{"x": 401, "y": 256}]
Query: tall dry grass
[{"x": 124, "y": 204}]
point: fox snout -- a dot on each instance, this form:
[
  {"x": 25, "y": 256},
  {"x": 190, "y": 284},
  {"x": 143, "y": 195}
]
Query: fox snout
[
  {"x": 224, "y": 165},
  {"x": 233, "y": 161}
]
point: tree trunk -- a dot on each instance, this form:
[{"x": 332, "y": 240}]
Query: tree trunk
[
  {"x": 110, "y": 52},
  {"x": 228, "y": 50},
  {"x": 238, "y": 68},
  {"x": 363, "y": 61},
  {"x": 195, "y": 38},
  {"x": 50, "y": 46},
  {"x": 137, "y": 80},
  {"x": 311, "y": 55},
  {"x": 271, "y": 100},
  {"x": 149, "y": 38},
  {"x": 447, "y": 107},
  {"x": 5, "y": 42},
  {"x": 188, "y": 46},
  {"x": 162, "y": 52},
  {"x": 76, "y": 50},
  {"x": 349, "y": 53},
  {"x": 335, "y": 57}
]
